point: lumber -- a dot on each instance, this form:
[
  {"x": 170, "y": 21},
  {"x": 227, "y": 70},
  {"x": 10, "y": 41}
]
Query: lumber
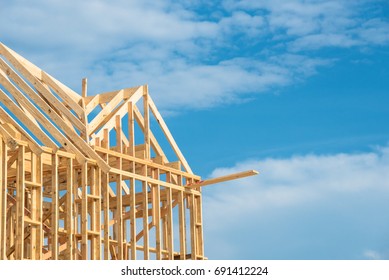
[
  {"x": 79, "y": 183},
  {"x": 224, "y": 178}
]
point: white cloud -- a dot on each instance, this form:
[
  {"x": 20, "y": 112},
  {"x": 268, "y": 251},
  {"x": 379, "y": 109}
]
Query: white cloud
[
  {"x": 373, "y": 255},
  {"x": 195, "y": 59},
  {"x": 349, "y": 183}
]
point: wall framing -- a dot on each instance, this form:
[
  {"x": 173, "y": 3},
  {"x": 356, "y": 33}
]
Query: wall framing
[{"x": 74, "y": 184}]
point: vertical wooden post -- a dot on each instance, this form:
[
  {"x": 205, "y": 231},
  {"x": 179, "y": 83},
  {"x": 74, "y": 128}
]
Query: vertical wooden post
[
  {"x": 192, "y": 209},
  {"x": 76, "y": 213},
  {"x": 84, "y": 87},
  {"x": 97, "y": 213},
  {"x": 105, "y": 189},
  {"x": 39, "y": 206},
  {"x": 119, "y": 199},
  {"x": 3, "y": 199},
  {"x": 118, "y": 128},
  {"x": 182, "y": 224},
  {"x": 34, "y": 214},
  {"x": 157, "y": 214},
  {"x": 131, "y": 132},
  {"x": 54, "y": 207},
  {"x": 169, "y": 218},
  {"x": 84, "y": 211},
  {"x": 146, "y": 120},
  {"x": 69, "y": 209},
  {"x": 133, "y": 219},
  {"x": 20, "y": 197},
  {"x": 199, "y": 226},
  {"x": 145, "y": 216}
]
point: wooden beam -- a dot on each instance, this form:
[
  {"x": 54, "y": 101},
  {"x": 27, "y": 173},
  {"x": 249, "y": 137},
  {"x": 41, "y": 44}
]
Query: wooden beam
[
  {"x": 121, "y": 110},
  {"x": 3, "y": 199},
  {"x": 41, "y": 88},
  {"x": 91, "y": 104},
  {"x": 71, "y": 134},
  {"x": 64, "y": 92},
  {"x": 168, "y": 135},
  {"x": 146, "y": 116},
  {"x": 105, "y": 114},
  {"x": 36, "y": 130},
  {"x": 84, "y": 91},
  {"x": 35, "y": 147},
  {"x": 20, "y": 200},
  {"x": 223, "y": 179},
  {"x": 54, "y": 208}
]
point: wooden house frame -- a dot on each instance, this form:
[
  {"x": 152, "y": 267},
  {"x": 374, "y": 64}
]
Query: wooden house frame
[{"x": 73, "y": 183}]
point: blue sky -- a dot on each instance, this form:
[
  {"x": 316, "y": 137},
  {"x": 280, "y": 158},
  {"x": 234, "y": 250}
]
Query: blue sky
[{"x": 295, "y": 89}]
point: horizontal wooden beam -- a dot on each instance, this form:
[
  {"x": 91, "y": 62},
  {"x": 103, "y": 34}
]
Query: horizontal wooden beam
[{"x": 223, "y": 179}]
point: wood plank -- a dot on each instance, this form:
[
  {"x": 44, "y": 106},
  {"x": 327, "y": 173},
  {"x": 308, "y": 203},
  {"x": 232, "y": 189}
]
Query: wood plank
[
  {"x": 223, "y": 178},
  {"x": 119, "y": 213},
  {"x": 168, "y": 135},
  {"x": 107, "y": 96},
  {"x": 84, "y": 88},
  {"x": 153, "y": 141},
  {"x": 105, "y": 189},
  {"x": 44, "y": 121},
  {"x": 97, "y": 225},
  {"x": 54, "y": 208},
  {"x": 3, "y": 199},
  {"x": 20, "y": 198},
  {"x": 146, "y": 118},
  {"x": 199, "y": 226},
  {"x": 105, "y": 114},
  {"x": 132, "y": 219},
  {"x": 34, "y": 146},
  {"x": 84, "y": 212},
  {"x": 71, "y": 134},
  {"x": 131, "y": 132},
  {"x": 169, "y": 220},
  {"x": 157, "y": 214},
  {"x": 89, "y": 106},
  {"x": 193, "y": 238},
  {"x": 121, "y": 110},
  {"x": 31, "y": 68},
  {"x": 11, "y": 142},
  {"x": 36, "y": 130},
  {"x": 146, "y": 252},
  {"x": 41, "y": 88},
  {"x": 182, "y": 224},
  {"x": 69, "y": 208},
  {"x": 64, "y": 92},
  {"x": 39, "y": 208}
]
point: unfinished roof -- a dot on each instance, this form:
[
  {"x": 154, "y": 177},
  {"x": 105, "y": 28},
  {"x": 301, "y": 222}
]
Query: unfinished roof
[{"x": 75, "y": 184}]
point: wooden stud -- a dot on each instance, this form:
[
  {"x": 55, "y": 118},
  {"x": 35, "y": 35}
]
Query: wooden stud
[
  {"x": 69, "y": 209},
  {"x": 71, "y": 227},
  {"x": 131, "y": 132},
  {"x": 132, "y": 219},
  {"x": 20, "y": 198},
  {"x": 168, "y": 135},
  {"x": 182, "y": 224},
  {"x": 84, "y": 88},
  {"x": 146, "y": 252},
  {"x": 146, "y": 121},
  {"x": 54, "y": 207},
  {"x": 169, "y": 219},
  {"x": 3, "y": 199},
  {"x": 84, "y": 212}
]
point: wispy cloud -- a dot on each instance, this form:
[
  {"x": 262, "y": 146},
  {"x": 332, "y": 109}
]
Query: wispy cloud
[
  {"x": 373, "y": 255},
  {"x": 196, "y": 53},
  {"x": 325, "y": 184}
]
